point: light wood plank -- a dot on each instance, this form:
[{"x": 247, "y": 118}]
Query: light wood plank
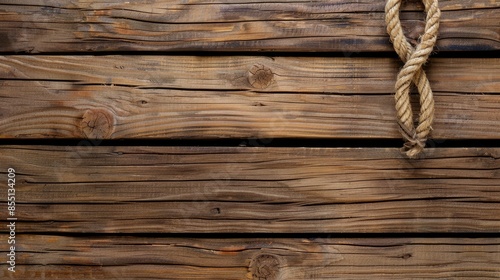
[
  {"x": 275, "y": 74},
  {"x": 111, "y": 189},
  {"x": 115, "y": 257},
  {"x": 161, "y": 25},
  {"x": 235, "y": 97}
]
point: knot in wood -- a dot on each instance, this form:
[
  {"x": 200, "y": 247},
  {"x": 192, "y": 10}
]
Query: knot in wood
[
  {"x": 260, "y": 76},
  {"x": 265, "y": 267},
  {"x": 97, "y": 124}
]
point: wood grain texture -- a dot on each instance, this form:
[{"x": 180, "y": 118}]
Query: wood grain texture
[
  {"x": 162, "y": 25},
  {"x": 117, "y": 97},
  {"x": 118, "y": 257},
  {"x": 111, "y": 189}
]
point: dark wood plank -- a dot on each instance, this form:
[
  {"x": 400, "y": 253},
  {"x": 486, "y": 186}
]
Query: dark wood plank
[
  {"x": 162, "y": 25},
  {"x": 235, "y": 97},
  {"x": 115, "y": 257},
  {"x": 111, "y": 189}
]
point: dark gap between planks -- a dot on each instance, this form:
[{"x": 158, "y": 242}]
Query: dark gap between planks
[
  {"x": 239, "y": 235},
  {"x": 254, "y": 142},
  {"x": 436, "y": 54}
]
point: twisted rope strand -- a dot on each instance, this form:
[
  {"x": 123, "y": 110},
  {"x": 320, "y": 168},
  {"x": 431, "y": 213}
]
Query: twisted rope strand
[{"x": 412, "y": 72}]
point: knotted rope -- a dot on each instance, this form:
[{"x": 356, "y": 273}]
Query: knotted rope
[{"x": 414, "y": 59}]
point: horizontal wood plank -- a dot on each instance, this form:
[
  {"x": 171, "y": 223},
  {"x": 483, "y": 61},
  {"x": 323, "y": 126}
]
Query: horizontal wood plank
[
  {"x": 166, "y": 25},
  {"x": 116, "y": 97},
  {"x": 110, "y": 189},
  {"x": 118, "y": 257}
]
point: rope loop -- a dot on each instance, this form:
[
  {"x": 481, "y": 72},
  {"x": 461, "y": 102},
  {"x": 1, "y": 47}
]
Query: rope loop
[{"x": 414, "y": 58}]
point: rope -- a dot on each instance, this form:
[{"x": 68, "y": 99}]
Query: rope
[{"x": 412, "y": 72}]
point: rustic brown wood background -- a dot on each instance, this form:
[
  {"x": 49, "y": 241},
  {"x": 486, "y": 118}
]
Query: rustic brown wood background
[{"x": 242, "y": 139}]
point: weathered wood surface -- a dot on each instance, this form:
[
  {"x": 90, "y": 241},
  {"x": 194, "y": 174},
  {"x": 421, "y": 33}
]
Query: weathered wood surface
[
  {"x": 115, "y": 257},
  {"x": 118, "y": 97},
  {"x": 111, "y": 189},
  {"x": 162, "y": 25},
  {"x": 122, "y": 212}
]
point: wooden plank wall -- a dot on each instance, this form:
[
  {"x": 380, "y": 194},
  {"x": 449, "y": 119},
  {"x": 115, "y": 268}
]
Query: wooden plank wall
[{"x": 241, "y": 139}]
